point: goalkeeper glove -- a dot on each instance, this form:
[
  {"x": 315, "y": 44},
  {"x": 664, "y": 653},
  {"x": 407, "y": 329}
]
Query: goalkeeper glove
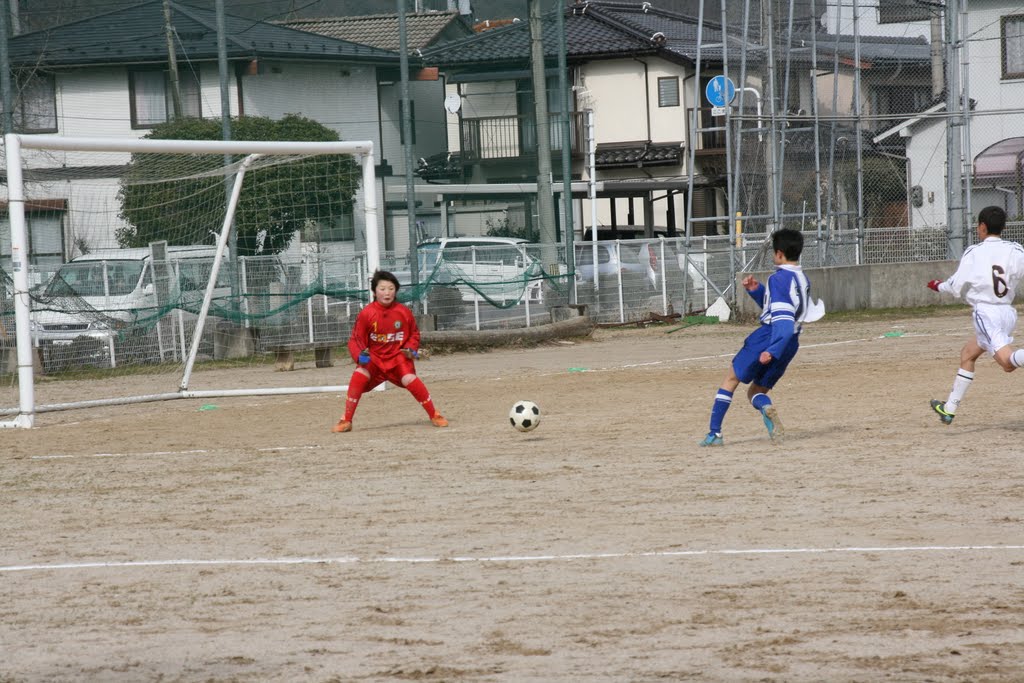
[
  {"x": 934, "y": 284},
  {"x": 364, "y": 357}
]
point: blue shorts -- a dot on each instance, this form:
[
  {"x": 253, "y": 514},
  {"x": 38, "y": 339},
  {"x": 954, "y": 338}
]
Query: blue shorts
[{"x": 747, "y": 365}]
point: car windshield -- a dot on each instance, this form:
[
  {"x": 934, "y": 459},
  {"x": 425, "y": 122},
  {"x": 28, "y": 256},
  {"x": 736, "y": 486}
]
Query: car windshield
[
  {"x": 428, "y": 254},
  {"x": 86, "y": 278}
]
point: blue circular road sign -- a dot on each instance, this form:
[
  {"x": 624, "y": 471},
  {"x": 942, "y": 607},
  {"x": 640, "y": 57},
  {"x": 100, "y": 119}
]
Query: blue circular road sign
[{"x": 720, "y": 91}]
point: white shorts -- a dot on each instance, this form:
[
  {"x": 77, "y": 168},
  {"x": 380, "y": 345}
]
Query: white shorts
[{"x": 993, "y": 326}]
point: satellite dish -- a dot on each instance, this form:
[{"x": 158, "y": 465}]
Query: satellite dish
[{"x": 453, "y": 103}]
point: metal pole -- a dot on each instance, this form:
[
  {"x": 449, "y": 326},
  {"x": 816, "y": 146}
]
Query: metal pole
[
  {"x": 954, "y": 180},
  {"x": 19, "y": 274},
  {"x": 768, "y": 34},
  {"x": 693, "y": 125},
  {"x": 832, "y": 134},
  {"x": 225, "y": 127},
  {"x": 729, "y": 207},
  {"x": 965, "y": 109},
  {"x": 410, "y": 192},
  {"x": 817, "y": 132},
  {"x": 734, "y": 199},
  {"x": 545, "y": 199},
  {"x": 172, "y": 61},
  {"x": 567, "y": 138},
  {"x": 858, "y": 128},
  {"x": 592, "y": 190},
  {"x": 6, "y": 98}
]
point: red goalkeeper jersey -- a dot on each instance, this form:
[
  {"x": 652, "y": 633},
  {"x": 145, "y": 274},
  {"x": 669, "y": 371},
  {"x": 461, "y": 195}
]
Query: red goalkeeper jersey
[{"x": 385, "y": 331}]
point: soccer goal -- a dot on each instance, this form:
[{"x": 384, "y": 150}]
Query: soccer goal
[{"x": 144, "y": 270}]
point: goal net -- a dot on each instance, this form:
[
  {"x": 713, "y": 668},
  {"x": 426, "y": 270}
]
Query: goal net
[{"x": 140, "y": 270}]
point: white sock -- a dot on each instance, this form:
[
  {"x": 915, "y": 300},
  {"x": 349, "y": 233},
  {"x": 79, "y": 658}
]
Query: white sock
[
  {"x": 960, "y": 386},
  {"x": 1017, "y": 358}
]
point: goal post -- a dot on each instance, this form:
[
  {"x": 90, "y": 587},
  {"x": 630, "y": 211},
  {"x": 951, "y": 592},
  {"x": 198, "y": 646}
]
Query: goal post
[{"x": 146, "y": 312}]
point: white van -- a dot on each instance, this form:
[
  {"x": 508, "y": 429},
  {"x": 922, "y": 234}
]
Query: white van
[{"x": 92, "y": 294}]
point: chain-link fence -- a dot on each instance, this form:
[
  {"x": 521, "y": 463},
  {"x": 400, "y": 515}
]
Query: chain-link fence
[{"x": 311, "y": 302}]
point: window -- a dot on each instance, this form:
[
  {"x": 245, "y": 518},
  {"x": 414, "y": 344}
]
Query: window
[
  {"x": 150, "y": 95},
  {"x": 46, "y": 239},
  {"x": 893, "y": 103},
  {"x": 1013, "y": 46},
  {"x": 35, "y": 103},
  {"x": 668, "y": 91}
]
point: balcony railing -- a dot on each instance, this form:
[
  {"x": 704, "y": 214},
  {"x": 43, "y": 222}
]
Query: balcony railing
[{"x": 510, "y": 137}]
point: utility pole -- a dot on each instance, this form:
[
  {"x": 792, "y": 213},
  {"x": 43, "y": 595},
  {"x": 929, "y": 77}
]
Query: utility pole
[
  {"x": 172, "y": 61},
  {"x": 563, "y": 77},
  {"x": 954, "y": 122},
  {"x": 545, "y": 199},
  {"x": 410, "y": 190}
]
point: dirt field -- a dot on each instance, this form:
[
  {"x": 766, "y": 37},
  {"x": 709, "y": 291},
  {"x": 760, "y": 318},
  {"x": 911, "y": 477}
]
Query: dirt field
[{"x": 247, "y": 542}]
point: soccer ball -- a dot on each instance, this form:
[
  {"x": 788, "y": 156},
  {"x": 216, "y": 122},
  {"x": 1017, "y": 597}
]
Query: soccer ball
[{"x": 524, "y": 416}]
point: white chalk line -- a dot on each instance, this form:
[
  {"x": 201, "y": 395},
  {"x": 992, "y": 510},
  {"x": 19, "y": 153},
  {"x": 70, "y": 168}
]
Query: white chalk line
[
  {"x": 155, "y": 454},
  {"x": 509, "y": 558}
]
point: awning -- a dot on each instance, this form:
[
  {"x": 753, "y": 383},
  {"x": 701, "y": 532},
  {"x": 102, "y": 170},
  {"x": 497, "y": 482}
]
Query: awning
[{"x": 1005, "y": 159}]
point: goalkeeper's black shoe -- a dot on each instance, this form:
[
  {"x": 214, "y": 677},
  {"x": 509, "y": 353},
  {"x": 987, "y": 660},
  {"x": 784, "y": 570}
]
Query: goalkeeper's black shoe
[{"x": 940, "y": 408}]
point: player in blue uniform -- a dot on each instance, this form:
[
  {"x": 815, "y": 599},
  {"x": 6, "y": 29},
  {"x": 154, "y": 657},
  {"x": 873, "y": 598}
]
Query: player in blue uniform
[{"x": 768, "y": 350}]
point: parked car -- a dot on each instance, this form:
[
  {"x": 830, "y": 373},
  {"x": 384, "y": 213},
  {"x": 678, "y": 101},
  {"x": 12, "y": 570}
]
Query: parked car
[
  {"x": 614, "y": 258},
  {"x": 481, "y": 268},
  {"x": 93, "y": 297}
]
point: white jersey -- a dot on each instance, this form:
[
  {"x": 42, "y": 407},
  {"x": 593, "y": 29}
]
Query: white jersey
[{"x": 988, "y": 272}]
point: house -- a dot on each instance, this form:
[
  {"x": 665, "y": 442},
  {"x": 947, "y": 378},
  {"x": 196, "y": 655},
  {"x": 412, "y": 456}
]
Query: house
[
  {"x": 992, "y": 141},
  {"x": 634, "y": 65},
  {"x": 426, "y": 94},
  {"x": 107, "y": 76}
]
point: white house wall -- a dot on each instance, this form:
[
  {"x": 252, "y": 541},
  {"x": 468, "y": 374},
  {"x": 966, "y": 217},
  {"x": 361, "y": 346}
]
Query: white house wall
[
  {"x": 343, "y": 98},
  {"x": 617, "y": 94},
  {"x": 926, "y": 150},
  {"x": 867, "y": 20},
  {"x": 94, "y": 102}
]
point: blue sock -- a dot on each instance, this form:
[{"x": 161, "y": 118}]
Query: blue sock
[
  {"x": 723, "y": 399},
  {"x": 760, "y": 401}
]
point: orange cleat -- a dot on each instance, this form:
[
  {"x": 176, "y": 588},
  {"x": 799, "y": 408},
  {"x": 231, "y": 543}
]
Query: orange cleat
[
  {"x": 342, "y": 426},
  {"x": 439, "y": 421}
]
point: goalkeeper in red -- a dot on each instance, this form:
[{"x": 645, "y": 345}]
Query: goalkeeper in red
[
  {"x": 987, "y": 279},
  {"x": 383, "y": 344}
]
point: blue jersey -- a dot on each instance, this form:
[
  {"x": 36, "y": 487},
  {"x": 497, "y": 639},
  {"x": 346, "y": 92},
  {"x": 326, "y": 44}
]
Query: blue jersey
[{"x": 784, "y": 303}]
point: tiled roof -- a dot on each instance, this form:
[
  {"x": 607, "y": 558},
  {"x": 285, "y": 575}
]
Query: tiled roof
[
  {"x": 873, "y": 49},
  {"x": 592, "y": 30},
  {"x": 618, "y": 155},
  {"x": 136, "y": 35},
  {"x": 381, "y": 30},
  {"x": 606, "y": 28}
]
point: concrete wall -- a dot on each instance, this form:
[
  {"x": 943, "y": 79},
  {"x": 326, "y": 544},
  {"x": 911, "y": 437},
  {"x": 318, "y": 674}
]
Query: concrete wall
[{"x": 848, "y": 288}]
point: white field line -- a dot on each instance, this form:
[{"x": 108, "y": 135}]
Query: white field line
[
  {"x": 509, "y": 559},
  {"x": 152, "y": 454},
  {"x": 692, "y": 359}
]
